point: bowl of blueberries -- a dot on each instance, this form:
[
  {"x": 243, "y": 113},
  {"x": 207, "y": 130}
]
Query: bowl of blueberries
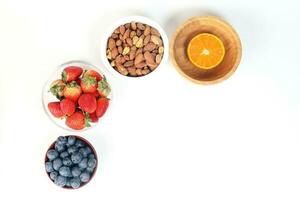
[{"x": 71, "y": 162}]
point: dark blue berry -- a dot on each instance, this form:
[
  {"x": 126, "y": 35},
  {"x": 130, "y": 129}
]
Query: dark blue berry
[
  {"x": 76, "y": 157},
  {"x": 85, "y": 151},
  {"x": 92, "y": 156},
  {"x": 65, "y": 171},
  {"x": 64, "y": 154},
  {"x": 60, "y": 181},
  {"x": 67, "y": 161},
  {"x": 79, "y": 144},
  {"x": 49, "y": 167},
  {"x": 71, "y": 140},
  {"x": 59, "y": 147},
  {"x": 57, "y": 163},
  {"x": 52, "y": 154},
  {"x": 76, "y": 171},
  {"x": 83, "y": 163},
  {"x": 84, "y": 177},
  {"x": 61, "y": 140},
  {"x": 53, "y": 175},
  {"x": 75, "y": 183},
  {"x": 92, "y": 163},
  {"x": 72, "y": 149},
  {"x": 90, "y": 170}
]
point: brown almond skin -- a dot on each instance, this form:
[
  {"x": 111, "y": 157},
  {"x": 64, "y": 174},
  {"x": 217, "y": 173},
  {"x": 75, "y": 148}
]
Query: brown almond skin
[
  {"x": 133, "y": 25},
  {"x": 122, "y": 70},
  {"x": 147, "y": 39},
  {"x": 118, "y": 60},
  {"x": 132, "y": 71},
  {"x": 154, "y": 31},
  {"x": 152, "y": 66},
  {"x": 114, "y": 36},
  {"x": 127, "y": 25},
  {"x": 126, "y": 34},
  {"x": 114, "y": 53},
  {"x": 156, "y": 40},
  {"x": 140, "y": 65},
  {"x": 139, "y": 58},
  {"x": 120, "y": 49},
  {"x": 150, "y": 47},
  {"x": 132, "y": 54},
  {"x": 118, "y": 42},
  {"x": 145, "y": 71},
  {"x": 111, "y": 43},
  {"x": 117, "y": 30},
  {"x": 158, "y": 58},
  {"x": 139, "y": 51},
  {"x": 147, "y": 30},
  {"x": 122, "y": 29},
  {"x": 129, "y": 41},
  {"x": 132, "y": 34},
  {"x": 139, "y": 72},
  {"x": 140, "y": 26},
  {"x": 138, "y": 32},
  {"x": 148, "y": 57}
]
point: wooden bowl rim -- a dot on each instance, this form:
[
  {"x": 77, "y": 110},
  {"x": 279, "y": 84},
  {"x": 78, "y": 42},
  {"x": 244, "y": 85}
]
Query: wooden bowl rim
[{"x": 219, "y": 20}]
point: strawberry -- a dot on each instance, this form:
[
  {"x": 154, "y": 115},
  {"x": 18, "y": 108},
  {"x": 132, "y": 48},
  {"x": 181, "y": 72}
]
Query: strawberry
[
  {"x": 93, "y": 117},
  {"x": 88, "y": 84},
  {"x": 78, "y": 81},
  {"x": 72, "y": 91},
  {"x": 87, "y": 102},
  {"x": 57, "y": 87},
  {"x": 77, "y": 121},
  {"x": 54, "y": 108},
  {"x": 92, "y": 73},
  {"x": 103, "y": 87},
  {"x": 102, "y": 105},
  {"x": 67, "y": 106},
  {"x": 71, "y": 73}
]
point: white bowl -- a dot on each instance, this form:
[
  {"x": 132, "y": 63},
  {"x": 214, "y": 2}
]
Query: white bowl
[
  {"x": 123, "y": 21},
  {"x": 48, "y": 97}
]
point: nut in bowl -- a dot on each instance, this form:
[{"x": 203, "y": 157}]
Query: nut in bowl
[
  {"x": 77, "y": 96},
  {"x": 71, "y": 162},
  {"x": 135, "y": 46}
]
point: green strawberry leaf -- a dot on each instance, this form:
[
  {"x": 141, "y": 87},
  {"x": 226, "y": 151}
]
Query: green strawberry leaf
[{"x": 104, "y": 87}]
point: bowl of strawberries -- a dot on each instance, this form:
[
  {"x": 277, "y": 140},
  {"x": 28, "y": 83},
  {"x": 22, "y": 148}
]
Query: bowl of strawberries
[{"x": 76, "y": 96}]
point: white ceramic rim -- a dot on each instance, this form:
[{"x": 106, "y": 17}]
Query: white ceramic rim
[
  {"x": 46, "y": 88},
  {"x": 125, "y": 20}
]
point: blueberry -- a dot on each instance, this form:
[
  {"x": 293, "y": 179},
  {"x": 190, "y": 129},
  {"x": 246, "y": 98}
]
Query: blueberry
[
  {"x": 49, "y": 167},
  {"x": 85, "y": 151},
  {"x": 64, "y": 154},
  {"x": 65, "y": 171},
  {"x": 71, "y": 140},
  {"x": 52, "y": 154},
  {"x": 92, "y": 156},
  {"x": 57, "y": 163},
  {"x": 76, "y": 157},
  {"x": 79, "y": 144},
  {"x": 60, "y": 181},
  {"x": 75, "y": 183},
  {"x": 72, "y": 149},
  {"x": 90, "y": 170},
  {"x": 92, "y": 162},
  {"x": 85, "y": 177},
  {"x": 76, "y": 171},
  {"x": 67, "y": 161},
  {"x": 59, "y": 147},
  {"x": 83, "y": 163},
  {"x": 68, "y": 184},
  {"x": 53, "y": 175},
  {"x": 61, "y": 140}
]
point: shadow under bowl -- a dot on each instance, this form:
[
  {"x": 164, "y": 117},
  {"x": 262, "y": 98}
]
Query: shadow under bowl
[{"x": 212, "y": 25}]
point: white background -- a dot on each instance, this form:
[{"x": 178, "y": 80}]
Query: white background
[{"x": 165, "y": 137}]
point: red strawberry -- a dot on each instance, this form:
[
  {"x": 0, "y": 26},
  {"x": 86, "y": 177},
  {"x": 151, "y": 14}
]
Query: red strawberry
[
  {"x": 71, "y": 73},
  {"x": 67, "y": 106},
  {"x": 54, "y": 108},
  {"x": 78, "y": 81},
  {"x": 72, "y": 91},
  {"x": 88, "y": 103},
  {"x": 57, "y": 87},
  {"x": 102, "y": 105},
  {"x": 92, "y": 73},
  {"x": 93, "y": 117},
  {"x": 88, "y": 84},
  {"x": 77, "y": 121},
  {"x": 103, "y": 87}
]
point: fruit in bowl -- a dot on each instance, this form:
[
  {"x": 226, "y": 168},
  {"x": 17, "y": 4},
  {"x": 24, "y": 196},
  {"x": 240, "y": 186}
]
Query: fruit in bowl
[
  {"x": 79, "y": 97},
  {"x": 71, "y": 162}
]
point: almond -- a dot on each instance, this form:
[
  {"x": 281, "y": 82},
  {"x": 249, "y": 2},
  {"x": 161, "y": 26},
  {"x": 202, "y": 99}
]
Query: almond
[
  {"x": 138, "y": 72},
  {"x": 147, "y": 30},
  {"x": 134, "y": 40},
  {"x": 122, "y": 70},
  {"x": 114, "y": 53},
  {"x": 129, "y": 41},
  {"x": 118, "y": 42},
  {"x": 125, "y": 51},
  {"x": 140, "y": 65},
  {"x": 133, "y": 26},
  {"x": 131, "y": 54},
  {"x": 147, "y": 39},
  {"x": 120, "y": 49},
  {"x": 148, "y": 57},
  {"x": 111, "y": 43},
  {"x": 139, "y": 43},
  {"x": 138, "y": 32},
  {"x": 126, "y": 34},
  {"x": 132, "y": 71},
  {"x": 128, "y": 63},
  {"x": 145, "y": 71},
  {"x": 158, "y": 58},
  {"x": 127, "y": 25},
  {"x": 139, "y": 58},
  {"x": 161, "y": 50},
  {"x": 152, "y": 66},
  {"x": 122, "y": 29},
  {"x": 108, "y": 54},
  {"x": 150, "y": 47},
  {"x": 140, "y": 26},
  {"x": 132, "y": 34},
  {"x": 139, "y": 51}
]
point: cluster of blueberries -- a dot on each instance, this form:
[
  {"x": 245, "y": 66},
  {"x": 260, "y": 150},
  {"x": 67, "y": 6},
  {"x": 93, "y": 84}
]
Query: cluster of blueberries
[{"x": 71, "y": 163}]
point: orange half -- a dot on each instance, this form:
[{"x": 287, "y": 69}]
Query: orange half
[{"x": 206, "y": 51}]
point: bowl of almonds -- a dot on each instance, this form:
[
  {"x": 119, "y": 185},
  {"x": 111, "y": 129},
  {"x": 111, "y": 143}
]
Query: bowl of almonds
[{"x": 134, "y": 46}]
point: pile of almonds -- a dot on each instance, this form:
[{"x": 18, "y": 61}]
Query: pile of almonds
[{"x": 135, "y": 49}]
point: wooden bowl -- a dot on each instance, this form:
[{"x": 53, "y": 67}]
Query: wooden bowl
[
  {"x": 88, "y": 144},
  {"x": 207, "y": 24}
]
